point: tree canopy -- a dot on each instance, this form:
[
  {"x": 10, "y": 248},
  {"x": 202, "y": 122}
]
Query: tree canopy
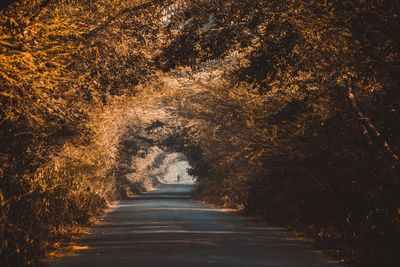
[{"x": 288, "y": 110}]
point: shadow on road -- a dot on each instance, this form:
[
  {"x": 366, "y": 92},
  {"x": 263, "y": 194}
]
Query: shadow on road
[{"x": 165, "y": 228}]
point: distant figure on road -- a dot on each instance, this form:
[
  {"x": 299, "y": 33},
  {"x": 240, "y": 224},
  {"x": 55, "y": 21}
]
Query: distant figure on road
[{"x": 178, "y": 178}]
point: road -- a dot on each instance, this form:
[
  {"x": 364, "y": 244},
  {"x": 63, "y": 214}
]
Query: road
[{"x": 164, "y": 228}]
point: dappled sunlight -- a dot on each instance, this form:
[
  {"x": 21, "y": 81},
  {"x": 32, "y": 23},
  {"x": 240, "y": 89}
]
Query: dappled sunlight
[{"x": 79, "y": 247}]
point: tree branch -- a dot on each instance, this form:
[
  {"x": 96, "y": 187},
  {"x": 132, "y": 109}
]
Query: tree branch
[
  {"x": 10, "y": 46},
  {"x": 110, "y": 20},
  {"x": 372, "y": 134},
  {"x": 40, "y": 8}
]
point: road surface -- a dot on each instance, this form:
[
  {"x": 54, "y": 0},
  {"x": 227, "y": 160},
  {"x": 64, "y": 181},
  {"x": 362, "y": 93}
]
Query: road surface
[{"x": 165, "y": 228}]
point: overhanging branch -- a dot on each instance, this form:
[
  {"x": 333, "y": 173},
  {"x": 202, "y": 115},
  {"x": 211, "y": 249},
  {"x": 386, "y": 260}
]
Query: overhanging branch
[
  {"x": 110, "y": 20},
  {"x": 372, "y": 134},
  {"x": 11, "y": 46}
]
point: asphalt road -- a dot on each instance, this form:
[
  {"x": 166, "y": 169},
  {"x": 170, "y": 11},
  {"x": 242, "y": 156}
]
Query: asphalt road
[{"x": 164, "y": 228}]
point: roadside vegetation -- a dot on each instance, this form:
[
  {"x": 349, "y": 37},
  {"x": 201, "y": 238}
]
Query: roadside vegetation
[
  {"x": 287, "y": 110},
  {"x": 63, "y": 68}
]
